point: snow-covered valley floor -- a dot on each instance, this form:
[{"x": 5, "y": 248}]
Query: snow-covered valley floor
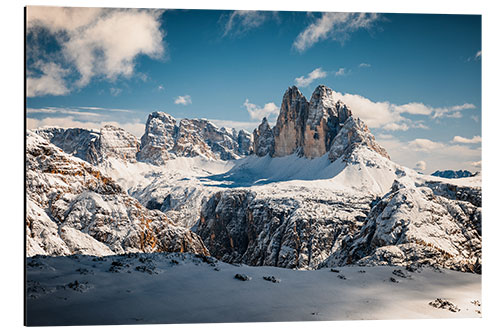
[{"x": 184, "y": 288}]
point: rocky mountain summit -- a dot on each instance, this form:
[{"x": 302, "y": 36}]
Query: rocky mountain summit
[
  {"x": 311, "y": 128},
  {"x": 164, "y": 140}
]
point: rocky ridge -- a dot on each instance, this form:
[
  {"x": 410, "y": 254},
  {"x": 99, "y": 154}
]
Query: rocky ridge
[{"x": 164, "y": 140}]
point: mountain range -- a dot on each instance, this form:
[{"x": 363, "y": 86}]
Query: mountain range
[{"x": 316, "y": 190}]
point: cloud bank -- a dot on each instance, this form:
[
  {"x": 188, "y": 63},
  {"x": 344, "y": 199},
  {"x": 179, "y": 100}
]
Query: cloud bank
[{"x": 92, "y": 43}]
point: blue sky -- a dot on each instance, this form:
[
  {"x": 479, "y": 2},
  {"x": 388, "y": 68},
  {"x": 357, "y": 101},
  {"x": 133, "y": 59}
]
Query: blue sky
[{"x": 414, "y": 79}]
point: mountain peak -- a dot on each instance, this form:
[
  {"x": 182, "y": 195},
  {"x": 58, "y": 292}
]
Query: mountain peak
[
  {"x": 310, "y": 128},
  {"x": 354, "y": 133},
  {"x": 165, "y": 139},
  {"x": 321, "y": 89}
]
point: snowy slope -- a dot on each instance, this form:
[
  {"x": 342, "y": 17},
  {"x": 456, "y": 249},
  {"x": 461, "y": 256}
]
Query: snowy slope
[{"x": 180, "y": 288}]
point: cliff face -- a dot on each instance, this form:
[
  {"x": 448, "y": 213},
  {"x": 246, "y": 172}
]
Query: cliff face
[
  {"x": 415, "y": 223},
  {"x": 242, "y": 226},
  {"x": 289, "y": 129}
]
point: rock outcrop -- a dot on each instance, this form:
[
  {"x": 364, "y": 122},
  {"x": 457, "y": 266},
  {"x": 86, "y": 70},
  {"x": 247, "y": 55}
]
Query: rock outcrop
[
  {"x": 73, "y": 208},
  {"x": 164, "y": 140},
  {"x": 263, "y": 139}
]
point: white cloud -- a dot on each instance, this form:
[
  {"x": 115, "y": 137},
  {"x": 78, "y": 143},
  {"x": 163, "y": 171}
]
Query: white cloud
[
  {"x": 94, "y": 43},
  {"x": 476, "y": 164},
  {"x": 478, "y": 55},
  {"x": 384, "y": 136},
  {"x": 135, "y": 127},
  {"x": 437, "y": 155},
  {"x": 56, "y": 110},
  {"x": 105, "y": 109},
  {"x": 365, "y": 65},
  {"x": 390, "y": 116},
  {"x": 396, "y": 127},
  {"x": 50, "y": 82},
  {"x": 75, "y": 110},
  {"x": 184, "y": 100},
  {"x": 335, "y": 26},
  {"x": 58, "y": 19},
  {"x": 302, "y": 81},
  {"x": 241, "y": 21},
  {"x": 459, "y": 139},
  {"x": 237, "y": 125},
  {"x": 420, "y": 165},
  {"x": 160, "y": 87},
  {"x": 340, "y": 72},
  {"x": 374, "y": 114},
  {"x": 256, "y": 112},
  {"x": 414, "y": 108},
  {"x": 425, "y": 145},
  {"x": 452, "y": 111}
]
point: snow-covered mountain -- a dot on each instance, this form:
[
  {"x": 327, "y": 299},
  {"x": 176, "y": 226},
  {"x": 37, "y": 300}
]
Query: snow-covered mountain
[
  {"x": 72, "y": 207},
  {"x": 453, "y": 173},
  {"x": 164, "y": 140},
  {"x": 316, "y": 190}
]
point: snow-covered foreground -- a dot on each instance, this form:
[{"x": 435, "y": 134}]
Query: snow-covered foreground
[{"x": 185, "y": 288}]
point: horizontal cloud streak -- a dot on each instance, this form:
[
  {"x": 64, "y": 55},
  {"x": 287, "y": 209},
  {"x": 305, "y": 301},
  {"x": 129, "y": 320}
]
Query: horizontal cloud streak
[
  {"x": 134, "y": 126},
  {"x": 241, "y": 21},
  {"x": 304, "y": 81},
  {"x": 459, "y": 139}
]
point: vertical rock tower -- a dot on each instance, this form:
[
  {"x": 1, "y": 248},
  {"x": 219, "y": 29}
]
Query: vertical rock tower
[{"x": 310, "y": 128}]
